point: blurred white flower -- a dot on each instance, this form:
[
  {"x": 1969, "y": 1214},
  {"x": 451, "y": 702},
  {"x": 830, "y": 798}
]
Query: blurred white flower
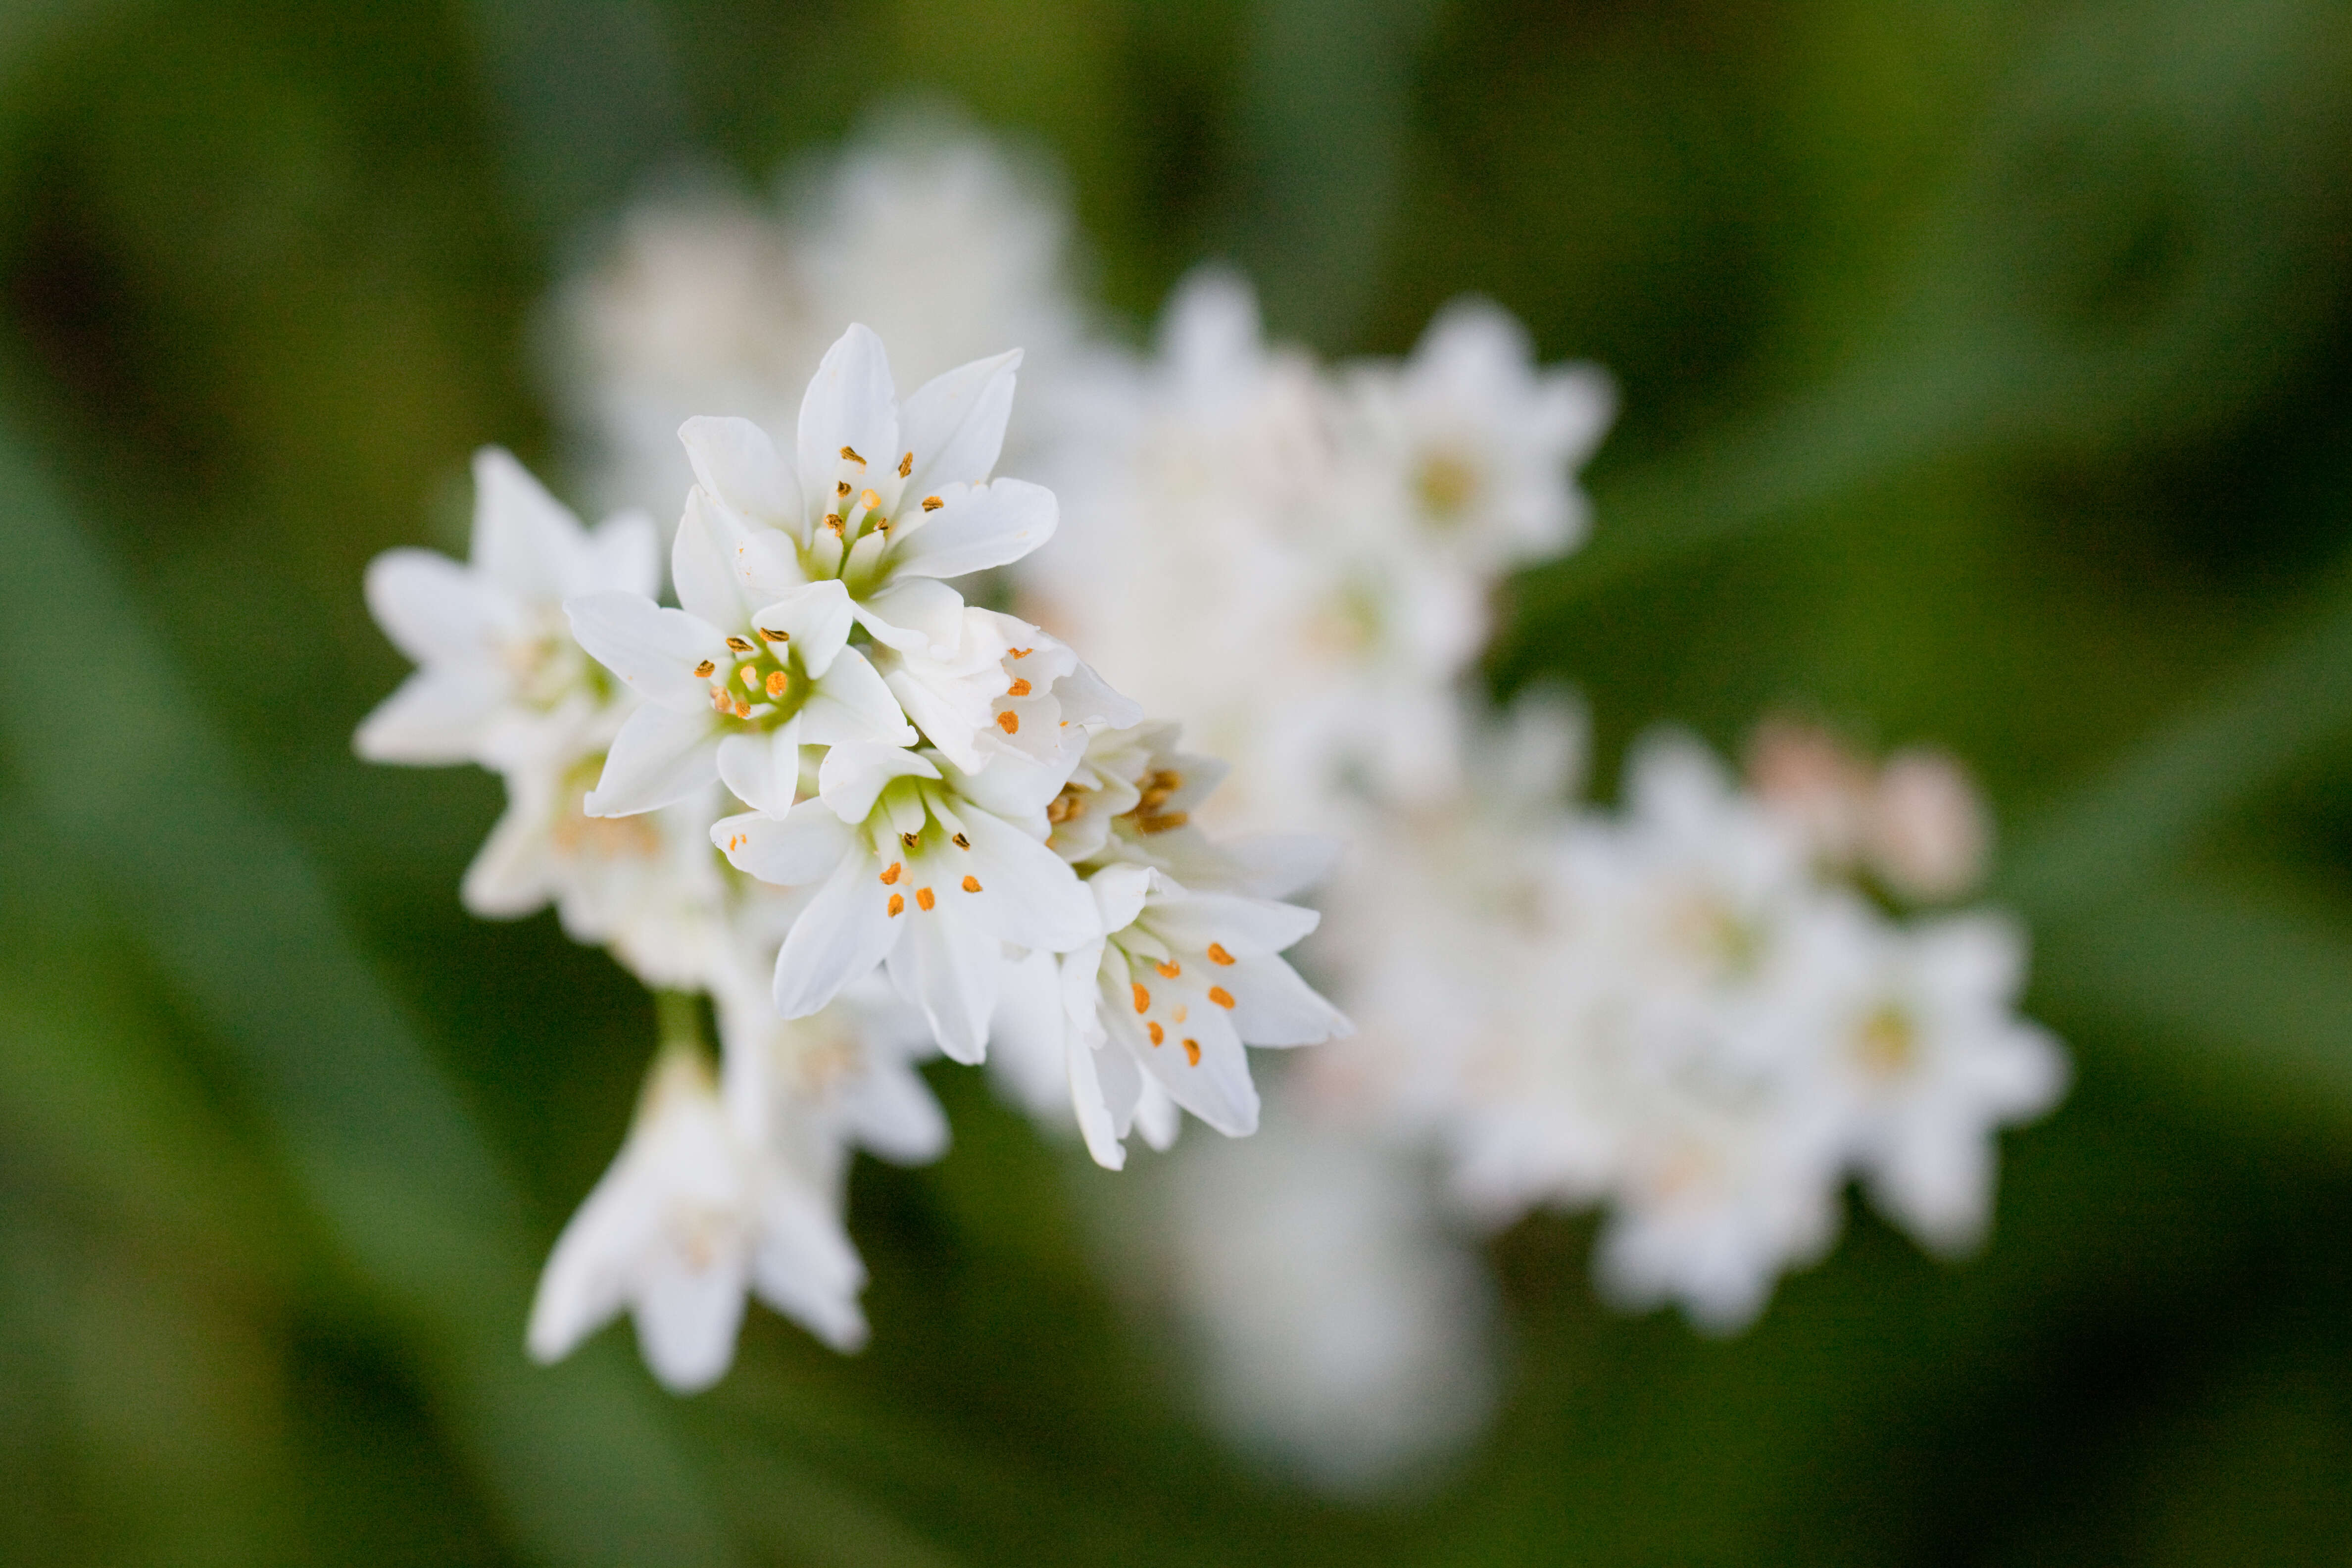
[
  {"x": 1921, "y": 1052},
  {"x": 496, "y": 663},
  {"x": 1344, "y": 1331},
  {"x": 687, "y": 1219},
  {"x": 709, "y": 303}
]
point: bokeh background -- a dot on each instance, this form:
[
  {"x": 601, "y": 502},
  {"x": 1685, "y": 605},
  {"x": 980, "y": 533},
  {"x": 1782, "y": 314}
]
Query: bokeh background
[{"x": 1986, "y": 376}]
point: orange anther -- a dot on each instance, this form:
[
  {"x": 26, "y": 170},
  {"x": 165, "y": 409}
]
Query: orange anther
[
  {"x": 892, "y": 874},
  {"x": 897, "y": 904},
  {"x": 1192, "y": 1052},
  {"x": 1221, "y": 997},
  {"x": 972, "y": 884},
  {"x": 923, "y": 897},
  {"x": 1009, "y": 721},
  {"x": 1142, "y": 999},
  {"x": 1217, "y": 953}
]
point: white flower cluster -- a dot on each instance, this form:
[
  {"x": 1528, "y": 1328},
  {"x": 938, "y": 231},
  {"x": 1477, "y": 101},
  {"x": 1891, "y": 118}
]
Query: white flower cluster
[
  {"x": 924, "y": 789},
  {"x": 1683, "y": 1011},
  {"x": 1696, "y": 1011}
]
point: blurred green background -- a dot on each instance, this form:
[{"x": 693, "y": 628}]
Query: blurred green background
[{"x": 1987, "y": 379}]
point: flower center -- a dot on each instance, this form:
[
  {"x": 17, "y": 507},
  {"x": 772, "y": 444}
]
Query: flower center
[
  {"x": 761, "y": 683},
  {"x": 1445, "y": 485},
  {"x": 1887, "y": 1042}
]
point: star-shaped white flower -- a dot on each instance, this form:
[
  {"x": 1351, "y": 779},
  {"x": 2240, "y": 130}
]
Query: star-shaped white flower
[
  {"x": 919, "y": 864},
  {"x": 886, "y": 499},
  {"x": 1169, "y": 997},
  {"x": 1919, "y": 1045},
  {"x": 736, "y": 681},
  {"x": 685, "y": 1222},
  {"x": 495, "y": 659}
]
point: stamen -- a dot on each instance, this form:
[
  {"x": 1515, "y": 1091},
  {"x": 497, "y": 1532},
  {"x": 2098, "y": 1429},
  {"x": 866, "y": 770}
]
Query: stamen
[
  {"x": 1222, "y": 998},
  {"x": 892, "y": 874},
  {"x": 1009, "y": 721},
  {"x": 1217, "y": 953},
  {"x": 1019, "y": 688},
  {"x": 743, "y": 708},
  {"x": 972, "y": 884},
  {"x": 1179, "y": 1014},
  {"x": 1159, "y": 1035},
  {"x": 702, "y": 672},
  {"x": 870, "y": 501},
  {"x": 1165, "y": 824},
  {"x": 851, "y": 453},
  {"x": 833, "y": 521},
  {"x": 740, "y": 645},
  {"x": 960, "y": 842},
  {"x": 719, "y": 701},
  {"x": 932, "y": 503},
  {"x": 767, "y": 636},
  {"x": 905, "y": 465},
  {"x": 897, "y": 904},
  {"x": 750, "y": 676},
  {"x": 910, "y": 840},
  {"x": 1020, "y": 653},
  {"x": 842, "y": 489},
  {"x": 923, "y": 897},
  {"x": 1168, "y": 970},
  {"x": 1142, "y": 998},
  {"x": 1192, "y": 1052},
  {"x": 778, "y": 681}
]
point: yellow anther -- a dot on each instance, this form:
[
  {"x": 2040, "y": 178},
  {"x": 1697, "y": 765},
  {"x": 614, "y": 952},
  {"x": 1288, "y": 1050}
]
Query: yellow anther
[
  {"x": 1168, "y": 970},
  {"x": 1222, "y": 998},
  {"x": 1142, "y": 998},
  {"x": 1217, "y": 953},
  {"x": 897, "y": 904},
  {"x": 778, "y": 683},
  {"x": 870, "y": 501},
  {"x": 851, "y": 453},
  {"x": 905, "y": 465},
  {"x": 1159, "y": 1035},
  {"x": 1192, "y": 1052},
  {"x": 1009, "y": 721},
  {"x": 932, "y": 503},
  {"x": 972, "y": 884},
  {"x": 1019, "y": 688},
  {"x": 740, "y": 645},
  {"x": 923, "y": 897},
  {"x": 892, "y": 874},
  {"x": 703, "y": 669}
]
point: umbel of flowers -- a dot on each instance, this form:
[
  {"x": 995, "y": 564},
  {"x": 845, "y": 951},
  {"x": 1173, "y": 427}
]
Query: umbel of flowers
[{"x": 868, "y": 819}]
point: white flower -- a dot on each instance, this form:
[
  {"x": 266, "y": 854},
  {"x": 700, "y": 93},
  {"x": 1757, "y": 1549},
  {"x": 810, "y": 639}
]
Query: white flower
[
  {"x": 496, "y": 662},
  {"x": 842, "y": 1077},
  {"x": 648, "y": 886},
  {"x": 1481, "y": 445},
  {"x": 1181, "y": 981},
  {"x": 752, "y": 668},
  {"x": 920, "y": 865},
  {"x": 992, "y": 686},
  {"x": 1346, "y": 1329},
  {"x": 686, "y": 1220},
  {"x": 1919, "y": 1046}
]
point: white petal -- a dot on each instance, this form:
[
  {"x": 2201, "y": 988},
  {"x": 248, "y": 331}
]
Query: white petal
[
  {"x": 433, "y": 717},
  {"x": 845, "y": 930},
  {"x": 1101, "y": 1122},
  {"x": 763, "y": 770},
  {"x": 1216, "y": 1088},
  {"x": 688, "y": 1318},
  {"x": 853, "y": 776},
  {"x": 817, "y": 618},
  {"x": 804, "y": 1266},
  {"x": 587, "y": 1276},
  {"x": 655, "y": 650},
  {"x": 434, "y": 610},
  {"x": 725, "y": 567},
  {"x": 1273, "y": 1006},
  {"x": 735, "y": 460},
  {"x": 805, "y": 846},
  {"x": 1246, "y": 927},
  {"x": 916, "y": 614},
  {"x": 623, "y": 556},
  {"x": 1119, "y": 893},
  {"x": 525, "y": 540},
  {"x": 950, "y": 964},
  {"x": 954, "y": 425},
  {"x": 990, "y": 526},
  {"x": 1091, "y": 702},
  {"x": 850, "y": 402},
  {"x": 659, "y": 756},
  {"x": 893, "y": 1113},
  {"x": 1038, "y": 900},
  {"x": 853, "y": 704},
  {"x": 511, "y": 874}
]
